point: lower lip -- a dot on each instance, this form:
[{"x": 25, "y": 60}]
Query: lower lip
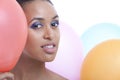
[{"x": 50, "y": 50}]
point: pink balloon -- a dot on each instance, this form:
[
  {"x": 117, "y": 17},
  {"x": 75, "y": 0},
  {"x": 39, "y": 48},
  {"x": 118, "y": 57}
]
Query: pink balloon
[{"x": 69, "y": 57}]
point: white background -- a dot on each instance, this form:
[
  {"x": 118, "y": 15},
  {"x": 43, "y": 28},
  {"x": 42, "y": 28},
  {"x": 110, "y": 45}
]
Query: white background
[{"x": 82, "y": 14}]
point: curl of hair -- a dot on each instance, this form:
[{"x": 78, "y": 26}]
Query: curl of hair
[{"x": 21, "y": 2}]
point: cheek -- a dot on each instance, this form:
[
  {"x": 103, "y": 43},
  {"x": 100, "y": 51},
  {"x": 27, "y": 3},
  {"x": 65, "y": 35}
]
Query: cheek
[
  {"x": 32, "y": 41},
  {"x": 57, "y": 35}
]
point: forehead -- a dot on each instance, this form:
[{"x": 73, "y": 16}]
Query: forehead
[{"x": 39, "y": 8}]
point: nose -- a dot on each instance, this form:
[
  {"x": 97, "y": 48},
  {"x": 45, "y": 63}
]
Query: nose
[{"x": 48, "y": 33}]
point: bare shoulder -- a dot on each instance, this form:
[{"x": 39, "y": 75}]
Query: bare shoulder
[{"x": 56, "y": 76}]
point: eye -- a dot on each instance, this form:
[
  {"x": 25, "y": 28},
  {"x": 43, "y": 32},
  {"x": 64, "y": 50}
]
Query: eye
[
  {"x": 55, "y": 23},
  {"x": 36, "y": 25}
]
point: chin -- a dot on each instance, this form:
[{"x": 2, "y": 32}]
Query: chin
[
  {"x": 50, "y": 59},
  {"x": 45, "y": 58}
]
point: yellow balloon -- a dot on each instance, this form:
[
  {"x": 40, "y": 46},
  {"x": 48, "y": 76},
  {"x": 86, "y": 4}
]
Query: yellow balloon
[{"x": 102, "y": 62}]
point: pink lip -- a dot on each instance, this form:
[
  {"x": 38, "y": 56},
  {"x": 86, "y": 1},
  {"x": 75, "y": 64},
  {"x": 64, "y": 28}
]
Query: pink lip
[{"x": 49, "y": 48}]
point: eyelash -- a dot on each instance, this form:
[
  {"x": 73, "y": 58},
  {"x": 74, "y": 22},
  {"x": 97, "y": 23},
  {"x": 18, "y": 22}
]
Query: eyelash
[
  {"x": 37, "y": 25},
  {"x": 55, "y": 23}
]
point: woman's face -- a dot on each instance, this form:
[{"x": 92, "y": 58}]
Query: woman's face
[{"x": 43, "y": 30}]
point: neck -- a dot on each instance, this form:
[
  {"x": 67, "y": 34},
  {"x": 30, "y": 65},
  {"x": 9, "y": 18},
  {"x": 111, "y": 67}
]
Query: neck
[{"x": 29, "y": 68}]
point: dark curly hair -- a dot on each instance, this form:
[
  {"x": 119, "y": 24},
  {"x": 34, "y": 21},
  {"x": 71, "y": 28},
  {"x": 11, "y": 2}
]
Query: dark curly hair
[{"x": 21, "y": 2}]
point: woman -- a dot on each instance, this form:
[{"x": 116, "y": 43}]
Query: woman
[{"x": 42, "y": 43}]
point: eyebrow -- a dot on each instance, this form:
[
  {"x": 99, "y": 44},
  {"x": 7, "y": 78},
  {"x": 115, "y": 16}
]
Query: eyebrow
[
  {"x": 55, "y": 17},
  {"x": 39, "y": 18}
]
